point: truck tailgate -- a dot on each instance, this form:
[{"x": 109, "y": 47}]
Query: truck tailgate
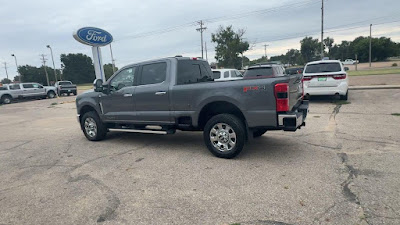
[{"x": 295, "y": 90}]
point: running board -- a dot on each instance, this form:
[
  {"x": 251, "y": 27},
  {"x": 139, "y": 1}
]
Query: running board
[{"x": 143, "y": 131}]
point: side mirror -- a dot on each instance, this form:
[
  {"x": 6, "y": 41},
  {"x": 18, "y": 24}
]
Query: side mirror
[
  {"x": 346, "y": 69},
  {"x": 98, "y": 85}
]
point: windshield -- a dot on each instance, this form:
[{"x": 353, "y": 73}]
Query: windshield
[
  {"x": 323, "y": 68},
  {"x": 258, "y": 72}
]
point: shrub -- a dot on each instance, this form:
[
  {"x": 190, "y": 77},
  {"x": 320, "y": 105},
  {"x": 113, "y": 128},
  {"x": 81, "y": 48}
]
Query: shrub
[{"x": 394, "y": 64}]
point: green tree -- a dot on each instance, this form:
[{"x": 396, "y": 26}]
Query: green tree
[
  {"x": 310, "y": 49},
  {"x": 78, "y": 68},
  {"x": 108, "y": 70},
  {"x": 5, "y": 81},
  {"x": 229, "y": 46},
  {"x": 36, "y": 74},
  {"x": 328, "y": 43}
]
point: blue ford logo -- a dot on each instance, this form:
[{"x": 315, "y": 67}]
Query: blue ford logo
[{"x": 93, "y": 36}]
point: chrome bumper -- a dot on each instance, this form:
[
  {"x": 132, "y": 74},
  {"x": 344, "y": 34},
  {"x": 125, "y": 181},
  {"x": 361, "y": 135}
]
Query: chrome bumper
[{"x": 294, "y": 120}]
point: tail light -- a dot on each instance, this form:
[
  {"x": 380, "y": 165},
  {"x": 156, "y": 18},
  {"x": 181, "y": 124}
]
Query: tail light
[
  {"x": 339, "y": 76},
  {"x": 307, "y": 78},
  {"x": 282, "y": 97}
]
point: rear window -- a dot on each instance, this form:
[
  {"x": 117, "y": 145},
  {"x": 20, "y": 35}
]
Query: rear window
[
  {"x": 27, "y": 85},
  {"x": 259, "y": 72},
  {"x": 216, "y": 74},
  {"x": 65, "y": 83},
  {"x": 323, "y": 68},
  {"x": 3, "y": 88},
  {"x": 14, "y": 87},
  {"x": 191, "y": 71}
]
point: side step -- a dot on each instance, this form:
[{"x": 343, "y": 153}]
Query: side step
[{"x": 146, "y": 130}]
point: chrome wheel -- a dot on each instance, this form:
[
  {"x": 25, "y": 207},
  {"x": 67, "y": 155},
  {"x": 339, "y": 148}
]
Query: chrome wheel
[
  {"x": 7, "y": 100},
  {"x": 223, "y": 137},
  {"x": 90, "y": 127}
]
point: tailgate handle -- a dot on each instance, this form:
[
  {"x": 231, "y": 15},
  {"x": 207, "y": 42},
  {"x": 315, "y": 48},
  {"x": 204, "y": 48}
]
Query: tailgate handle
[{"x": 127, "y": 95}]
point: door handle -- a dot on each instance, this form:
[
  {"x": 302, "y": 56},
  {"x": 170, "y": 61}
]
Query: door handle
[
  {"x": 161, "y": 92},
  {"x": 127, "y": 95}
]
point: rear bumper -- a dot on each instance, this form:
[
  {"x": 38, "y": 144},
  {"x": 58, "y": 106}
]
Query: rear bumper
[
  {"x": 294, "y": 120},
  {"x": 341, "y": 89}
]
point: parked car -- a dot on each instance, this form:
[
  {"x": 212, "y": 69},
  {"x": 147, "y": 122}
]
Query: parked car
[
  {"x": 10, "y": 92},
  {"x": 178, "y": 93},
  {"x": 264, "y": 71},
  {"x": 226, "y": 74},
  {"x": 350, "y": 62},
  {"x": 295, "y": 70},
  {"x": 326, "y": 77},
  {"x": 65, "y": 87}
]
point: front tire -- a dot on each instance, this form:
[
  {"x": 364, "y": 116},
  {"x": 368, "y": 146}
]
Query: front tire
[
  {"x": 6, "y": 99},
  {"x": 225, "y": 135},
  {"x": 51, "y": 94},
  {"x": 92, "y": 127}
]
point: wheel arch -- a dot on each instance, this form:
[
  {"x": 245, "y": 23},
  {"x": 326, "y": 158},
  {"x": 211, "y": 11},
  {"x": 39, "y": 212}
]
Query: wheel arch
[{"x": 219, "y": 107}]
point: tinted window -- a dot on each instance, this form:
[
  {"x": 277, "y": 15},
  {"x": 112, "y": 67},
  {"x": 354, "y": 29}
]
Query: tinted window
[
  {"x": 37, "y": 86},
  {"x": 27, "y": 85},
  {"x": 64, "y": 83},
  {"x": 153, "y": 73},
  {"x": 190, "y": 71},
  {"x": 259, "y": 72},
  {"x": 216, "y": 74},
  {"x": 15, "y": 87},
  {"x": 323, "y": 68},
  {"x": 226, "y": 74},
  {"x": 238, "y": 74},
  {"x": 124, "y": 78},
  {"x": 3, "y": 88}
]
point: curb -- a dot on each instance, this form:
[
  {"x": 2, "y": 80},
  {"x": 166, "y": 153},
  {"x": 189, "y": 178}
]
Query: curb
[{"x": 374, "y": 87}]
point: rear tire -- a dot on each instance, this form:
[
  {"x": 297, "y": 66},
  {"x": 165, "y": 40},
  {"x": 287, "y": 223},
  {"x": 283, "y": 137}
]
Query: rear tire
[
  {"x": 74, "y": 92},
  {"x": 345, "y": 97},
  {"x": 6, "y": 99},
  {"x": 51, "y": 94},
  {"x": 92, "y": 127},
  {"x": 225, "y": 135},
  {"x": 259, "y": 132}
]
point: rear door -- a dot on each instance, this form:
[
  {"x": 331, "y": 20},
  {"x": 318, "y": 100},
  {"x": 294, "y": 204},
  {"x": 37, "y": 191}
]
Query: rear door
[
  {"x": 152, "y": 93},
  {"x": 28, "y": 90}
]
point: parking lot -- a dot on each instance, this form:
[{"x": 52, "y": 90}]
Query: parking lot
[{"x": 342, "y": 168}]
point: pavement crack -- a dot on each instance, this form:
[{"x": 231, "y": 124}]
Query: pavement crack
[
  {"x": 335, "y": 111},
  {"x": 324, "y": 146},
  {"x": 24, "y": 143}
]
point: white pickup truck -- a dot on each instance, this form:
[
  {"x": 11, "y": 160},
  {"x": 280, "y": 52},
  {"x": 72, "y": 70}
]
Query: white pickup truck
[
  {"x": 10, "y": 92},
  {"x": 350, "y": 62}
]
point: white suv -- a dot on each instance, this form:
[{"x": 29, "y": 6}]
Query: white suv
[{"x": 327, "y": 77}]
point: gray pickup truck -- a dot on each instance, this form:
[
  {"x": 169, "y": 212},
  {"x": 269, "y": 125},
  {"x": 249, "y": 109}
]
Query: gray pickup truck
[
  {"x": 9, "y": 92},
  {"x": 179, "y": 93}
]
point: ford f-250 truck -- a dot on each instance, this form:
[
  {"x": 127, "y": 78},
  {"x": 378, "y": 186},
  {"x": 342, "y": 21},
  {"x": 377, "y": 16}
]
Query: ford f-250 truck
[{"x": 178, "y": 93}]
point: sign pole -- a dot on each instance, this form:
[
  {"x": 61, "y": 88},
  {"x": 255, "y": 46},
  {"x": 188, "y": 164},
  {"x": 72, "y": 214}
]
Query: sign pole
[{"x": 98, "y": 63}]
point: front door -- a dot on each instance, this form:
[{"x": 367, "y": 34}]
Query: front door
[
  {"x": 152, "y": 94},
  {"x": 118, "y": 105}
]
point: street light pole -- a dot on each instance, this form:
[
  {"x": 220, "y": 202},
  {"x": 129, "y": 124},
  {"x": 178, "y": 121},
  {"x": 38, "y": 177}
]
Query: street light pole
[
  {"x": 16, "y": 64},
  {"x": 322, "y": 30},
  {"x": 54, "y": 66},
  {"x": 112, "y": 59}
]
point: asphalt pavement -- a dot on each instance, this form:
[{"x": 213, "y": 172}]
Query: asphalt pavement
[{"x": 342, "y": 168}]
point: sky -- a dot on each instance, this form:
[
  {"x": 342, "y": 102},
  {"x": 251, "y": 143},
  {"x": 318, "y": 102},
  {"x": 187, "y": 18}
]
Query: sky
[{"x": 151, "y": 29}]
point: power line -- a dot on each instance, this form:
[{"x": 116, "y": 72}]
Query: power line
[{"x": 222, "y": 18}]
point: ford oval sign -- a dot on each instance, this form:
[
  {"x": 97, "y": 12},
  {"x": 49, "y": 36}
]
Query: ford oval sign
[{"x": 93, "y": 36}]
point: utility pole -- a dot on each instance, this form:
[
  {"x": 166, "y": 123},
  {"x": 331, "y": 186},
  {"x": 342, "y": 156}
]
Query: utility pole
[
  {"x": 52, "y": 59},
  {"x": 44, "y": 66},
  {"x": 356, "y": 61},
  {"x": 201, "y": 30},
  {"x": 265, "y": 52},
  {"x": 5, "y": 67},
  {"x": 112, "y": 59},
  {"x": 322, "y": 30},
  {"x": 370, "y": 44},
  {"x": 205, "y": 46}
]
